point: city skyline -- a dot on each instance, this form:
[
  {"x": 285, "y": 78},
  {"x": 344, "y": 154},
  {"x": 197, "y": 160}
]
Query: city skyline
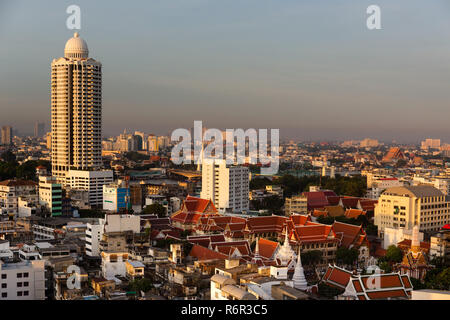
[{"x": 312, "y": 70}]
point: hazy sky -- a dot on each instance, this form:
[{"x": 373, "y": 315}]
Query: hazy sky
[{"x": 308, "y": 67}]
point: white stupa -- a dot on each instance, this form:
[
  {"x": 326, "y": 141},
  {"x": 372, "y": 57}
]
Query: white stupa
[
  {"x": 299, "y": 279},
  {"x": 256, "y": 257},
  {"x": 286, "y": 255}
]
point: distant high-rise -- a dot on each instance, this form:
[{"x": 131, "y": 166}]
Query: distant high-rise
[
  {"x": 6, "y": 135},
  {"x": 76, "y": 99},
  {"x": 431, "y": 144},
  {"x": 367, "y": 143},
  {"x": 39, "y": 128}
]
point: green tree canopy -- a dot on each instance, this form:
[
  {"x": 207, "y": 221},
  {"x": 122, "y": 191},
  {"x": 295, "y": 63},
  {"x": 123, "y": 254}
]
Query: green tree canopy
[
  {"x": 259, "y": 183},
  {"x": 136, "y": 156},
  {"x": 311, "y": 257},
  {"x": 8, "y": 156},
  {"x": 138, "y": 285},
  {"x": 328, "y": 291},
  {"x": 155, "y": 208},
  {"x": 394, "y": 254},
  {"x": 347, "y": 256}
]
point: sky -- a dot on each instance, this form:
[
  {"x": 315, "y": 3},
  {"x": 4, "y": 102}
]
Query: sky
[{"x": 310, "y": 68}]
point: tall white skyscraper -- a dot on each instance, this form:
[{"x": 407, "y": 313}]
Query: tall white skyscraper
[
  {"x": 226, "y": 185},
  {"x": 76, "y": 99}
]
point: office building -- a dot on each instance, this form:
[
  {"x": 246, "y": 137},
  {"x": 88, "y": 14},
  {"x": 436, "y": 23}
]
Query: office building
[
  {"x": 90, "y": 181},
  {"x": 405, "y": 207}
]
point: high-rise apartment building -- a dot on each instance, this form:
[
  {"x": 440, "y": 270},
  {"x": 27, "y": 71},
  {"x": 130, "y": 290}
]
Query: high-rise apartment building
[
  {"x": 152, "y": 143},
  {"x": 76, "y": 103},
  {"x": 226, "y": 185},
  {"x": 6, "y": 135}
]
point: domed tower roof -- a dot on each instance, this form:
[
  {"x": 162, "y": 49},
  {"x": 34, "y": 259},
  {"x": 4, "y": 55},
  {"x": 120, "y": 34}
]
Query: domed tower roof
[{"x": 76, "y": 48}]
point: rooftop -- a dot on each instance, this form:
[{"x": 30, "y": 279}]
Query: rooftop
[{"x": 419, "y": 191}]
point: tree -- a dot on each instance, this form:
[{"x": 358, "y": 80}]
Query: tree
[
  {"x": 394, "y": 254},
  {"x": 347, "y": 256},
  {"x": 27, "y": 170},
  {"x": 372, "y": 229},
  {"x": 155, "y": 208},
  {"x": 138, "y": 285},
  {"x": 443, "y": 280},
  {"x": 8, "y": 156},
  {"x": 385, "y": 266},
  {"x": 325, "y": 220},
  {"x": 272, "y": 203},
  {"x": 311, "y": 257},
  {"x": 187, "y": 247},
  {"x": 400, "y": 163},
  {"x": 136, "y": 156},
  {"x": 417, "y": 284},
  {"x": 259, "y": 183},
  {"x": 328, "y": 291}
]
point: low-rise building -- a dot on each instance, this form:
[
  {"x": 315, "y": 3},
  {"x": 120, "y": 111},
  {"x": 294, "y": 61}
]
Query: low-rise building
[
  {"x": 296, "y": 204},
  {"x": 50, "y": 195},
  {"x": 440, "y": 244},
  {"x": 12, "y": 190},
  {"x": 135, "y": 269},
  {"x": 22, "y": 280},
  {"x": 116, "y": 197},
  {"x": 90, "y": 181}
]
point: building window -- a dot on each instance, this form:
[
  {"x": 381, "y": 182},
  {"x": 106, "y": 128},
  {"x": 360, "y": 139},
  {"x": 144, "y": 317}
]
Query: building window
[
  {"x": 25, "y": 293},
  {"x": 26, "y": 275},
  {"x": 19, "y": 284},
  {"x": 4, "y": 295},
  {"x": 19, "y": 275},
  {"x": 4, "y": 285},
  {"x": 19, "y": 293},
  {"x": 3, "y": 276},
  {"x": 26, "y": 284}
]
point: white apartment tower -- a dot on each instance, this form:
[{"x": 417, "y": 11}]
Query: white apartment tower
[
  {"x": 226, "y": 185},
  {"x": 76, "y": 103}
]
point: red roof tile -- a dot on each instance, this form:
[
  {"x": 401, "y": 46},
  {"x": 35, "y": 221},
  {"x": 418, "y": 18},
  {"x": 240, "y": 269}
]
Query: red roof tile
[
  {"x": 267, "y": 248},
  {"x": 202, "y": 253},
  {"x": 349, "y": 234},
  {"x": 337, "y": 277}
]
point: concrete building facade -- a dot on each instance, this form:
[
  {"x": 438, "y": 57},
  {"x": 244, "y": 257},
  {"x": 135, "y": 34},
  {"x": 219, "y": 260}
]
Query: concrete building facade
[
  {"x": 226, "y": 185},
  {"x": 76, "y": 103}
]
